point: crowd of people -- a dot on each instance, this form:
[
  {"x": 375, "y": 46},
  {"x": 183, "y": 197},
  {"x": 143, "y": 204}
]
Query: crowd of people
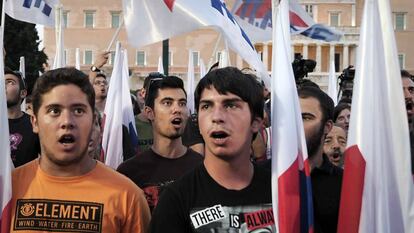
[{"x": 206, "y": 172}]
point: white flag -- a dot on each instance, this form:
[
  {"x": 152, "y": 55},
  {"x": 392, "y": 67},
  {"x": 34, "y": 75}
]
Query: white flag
[
  {"x": 118, "y": 111},
  {"x": 36, "y": 12},
  {"x": 377, "y": 189},
  {"x": 77, "y": 59},
  {"x": 149, "y": 21},
  {"x": 22, "y": 69},
  {"x": 190, "y": 82},
  {"x": 202, "y": 69},
  {"x": 332, "y": 86},
  {"x": 291, "y": 189}
]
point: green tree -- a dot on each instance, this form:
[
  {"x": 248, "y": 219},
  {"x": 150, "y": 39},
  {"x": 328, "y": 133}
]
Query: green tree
[{"x": 21, "y": 39}]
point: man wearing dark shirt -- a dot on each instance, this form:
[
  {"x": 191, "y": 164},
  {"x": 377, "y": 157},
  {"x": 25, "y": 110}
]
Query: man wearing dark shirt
[
  {"x": 227, "y": 193},
  {"x": 317, "y": 112},
  {"x": 167, "y": 159},
  {"x": 24, "y": 144}
]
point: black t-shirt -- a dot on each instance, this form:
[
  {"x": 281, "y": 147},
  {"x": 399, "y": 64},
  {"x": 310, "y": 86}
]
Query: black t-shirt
[
  {"x": 24, "y": 144},
  {"x": 197, "y": 203},
  {"x": 326, "y": 193},
  {"x": 191, "y": 135},
  {"x": 151, "y": 172}
]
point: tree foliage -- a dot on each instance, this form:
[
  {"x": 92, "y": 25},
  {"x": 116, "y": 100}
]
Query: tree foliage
[{"x": 21, "y": 39}]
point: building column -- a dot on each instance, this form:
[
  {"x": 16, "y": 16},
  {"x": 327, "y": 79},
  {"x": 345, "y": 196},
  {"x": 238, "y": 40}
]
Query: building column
[
  {"x": 292, "y": 54},
  {"x": 265, "y": 55},
  {"x": 353, "y": 15},
  {"x": 318, "y": 57},
  {"x": 331, "y": 53},
  {"x": 305, "y": 51},
  {"x": 239, "y": 61},
  {"x": 345, "y": 62}
]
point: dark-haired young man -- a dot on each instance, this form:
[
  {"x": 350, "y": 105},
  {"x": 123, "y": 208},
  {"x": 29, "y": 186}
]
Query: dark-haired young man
[
  {"x": 167, "y": 159},
  {"x": 317, "y": 110},
  {"x": 227, "y": 192},
  {"x": 408, "y": 90},
  {"x": 24, "y": 144},
  {"x": 65, "y": 190}
]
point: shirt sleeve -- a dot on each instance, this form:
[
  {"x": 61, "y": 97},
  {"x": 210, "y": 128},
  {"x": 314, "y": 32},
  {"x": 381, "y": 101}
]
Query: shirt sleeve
[{"x": 138, "y": 216}]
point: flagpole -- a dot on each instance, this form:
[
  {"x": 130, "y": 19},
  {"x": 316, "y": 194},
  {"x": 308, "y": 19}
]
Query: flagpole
[{"x": 115, "y": 35}]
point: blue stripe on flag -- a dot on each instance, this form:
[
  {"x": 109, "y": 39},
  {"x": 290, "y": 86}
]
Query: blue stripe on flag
[
  {"x": 133, "y": 135},
  {"x": 37, "y": 3},
  {"x": 47, "y": 10},
  {"x": 27, "y": 3},
  {"x": 306, "y": 206}
]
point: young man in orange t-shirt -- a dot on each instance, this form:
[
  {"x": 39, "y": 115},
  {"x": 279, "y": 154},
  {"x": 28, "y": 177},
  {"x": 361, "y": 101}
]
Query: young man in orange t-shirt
[{"x": 65, "y": 190}]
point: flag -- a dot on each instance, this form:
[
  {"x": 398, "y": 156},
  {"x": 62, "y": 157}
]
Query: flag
[
  {"x": 291, "y": 187},
  {"x": 332, "y": 86},
  {"x": 190, "y": 82},
  {"x": 149, "y": 21},
  {"x": 202, "y": 69},
  {"x": 160, "y": 68},
  {"x": 22, "y": 70},
  {"x": 377, "y": 188},
  {"x": 59, "y": 61},
  {"x": 6, "y": 164},
  {"x": 256, "y": 18},
  {"x": 36, "y": 12},
  {"x": 118, "y": 112},
  {"x": 77, "y": 59}
]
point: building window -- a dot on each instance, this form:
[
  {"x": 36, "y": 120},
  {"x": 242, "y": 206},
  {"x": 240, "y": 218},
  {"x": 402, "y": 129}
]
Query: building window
[
  {"x": 334, "y": 19},
  {"x": 401, "y": 60},
  {"x": 260, "y": 53},
  {"x": 170, "y": 58},
  {"x": 399, "y": 21},
  {"x": 65, "y": 19},
  {"x": 89, "y": 19},
  {"x": 87, "y": 58},
  {"x": 141, "y": 58},
  {"x": 309, "y": 10},
  {"x": 116, "y": 19},
  {"x": 196, "y": 58}
]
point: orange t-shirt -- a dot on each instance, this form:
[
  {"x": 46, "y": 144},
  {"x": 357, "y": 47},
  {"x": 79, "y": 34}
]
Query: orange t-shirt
[{"x": 100, "y": 201}]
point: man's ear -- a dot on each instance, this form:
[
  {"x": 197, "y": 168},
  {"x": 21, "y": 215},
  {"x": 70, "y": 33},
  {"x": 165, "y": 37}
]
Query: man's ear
[
  {"x": 33, "y": 119},
  {"x": 257, "y": 124},
  {"x": 149, "y": 113},
  {"x": 328, "y": 126}
]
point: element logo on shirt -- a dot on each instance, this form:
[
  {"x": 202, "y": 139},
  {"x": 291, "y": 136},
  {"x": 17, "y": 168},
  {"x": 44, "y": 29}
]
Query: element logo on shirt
[
  {"x": 257, "y": 218},
  {"x": 58, "y": 216},
  {"x": 15, "y": 140}
]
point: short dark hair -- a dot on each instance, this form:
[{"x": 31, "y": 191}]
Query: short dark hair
[
  {"x": 232, "y": 80},
  {"x": 151, "y": 76},
  {"x": 100, "y": 75},
  {"x": 62, "y": 76},
  {"x": 326, "y": 104},
  {"x": 172, "y": 82},
  {"x": 339, "y": 108},
  {"x": 19, "y": 75}
]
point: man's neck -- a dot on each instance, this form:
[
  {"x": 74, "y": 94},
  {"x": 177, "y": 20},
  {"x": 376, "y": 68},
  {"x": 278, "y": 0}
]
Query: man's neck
[
  {"x": 316, "y": 160},
  {"x": 84, "y": 166},
  {"x": 100, "y": 104},
  {"x": 168, "y": 148},
  {"x": 14, "y": 112},
  {"x": 235, "y": 174}
]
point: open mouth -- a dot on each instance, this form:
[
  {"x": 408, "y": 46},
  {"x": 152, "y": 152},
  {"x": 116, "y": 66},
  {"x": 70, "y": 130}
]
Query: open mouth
[
  {"x": 177, "y": 121},
  {"x": 219, "y": 135},
  {"x": 409, "y": 106},
  {"x": 67, "y": 139},
  {"x": 336, "y": 155}
]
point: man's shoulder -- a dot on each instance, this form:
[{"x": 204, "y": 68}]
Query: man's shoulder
[
  {"x": 117, "y": 179},
  {"x": 26, "y": 169}
]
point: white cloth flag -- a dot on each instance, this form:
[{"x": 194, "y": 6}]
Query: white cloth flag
[
  {"x": 22, "y": 69},
  {"x": 332, "y": 85},
  {"x": 291, "y": 195},
  {"x": 118, "y": 111},
  {"x": 190, "y": 82},
  {"x": 149, "y": 21},
  {"x": 6, "y": 164},
  {"x": 59, "y": 61},
  {"x": 377, "y": 189},
  {"x": 160, "y": 68},
  {"x": 32, "y": 11}
]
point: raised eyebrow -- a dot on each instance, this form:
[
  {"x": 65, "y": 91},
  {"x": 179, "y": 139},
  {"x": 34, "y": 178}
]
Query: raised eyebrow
[
  {"x": 233, "y": 100},
  {"x": 167, "y": 98},
  {"x": 307, "y": 114},
  {"x": 206, "y": 102},
  {"x": 182, "y": 100}
]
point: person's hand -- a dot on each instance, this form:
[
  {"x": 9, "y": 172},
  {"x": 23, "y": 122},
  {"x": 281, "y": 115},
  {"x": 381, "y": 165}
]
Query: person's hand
[{"x": 101, "y": 59}]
